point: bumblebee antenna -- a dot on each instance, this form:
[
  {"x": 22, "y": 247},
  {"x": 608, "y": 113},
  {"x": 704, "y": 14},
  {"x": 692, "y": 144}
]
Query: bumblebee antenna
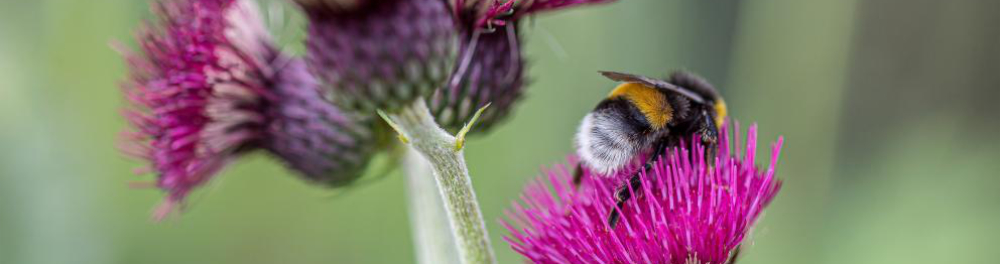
[{"x": 625, "y": 77}]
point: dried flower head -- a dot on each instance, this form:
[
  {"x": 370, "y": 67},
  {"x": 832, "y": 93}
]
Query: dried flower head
[
  {"x": 381, "y": 54},
  {"x": 688, "y": 210},
  {"x": 490, "y": 66},
  {"x": 209, "y": 85}
]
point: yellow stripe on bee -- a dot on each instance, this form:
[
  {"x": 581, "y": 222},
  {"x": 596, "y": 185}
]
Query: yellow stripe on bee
[
  {"x": 720, "y": 112},
  {"x": 651, "y": 102}
]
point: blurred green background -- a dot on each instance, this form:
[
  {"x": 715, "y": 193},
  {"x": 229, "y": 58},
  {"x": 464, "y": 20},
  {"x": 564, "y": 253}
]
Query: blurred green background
[{"x": 888, "y": 109}]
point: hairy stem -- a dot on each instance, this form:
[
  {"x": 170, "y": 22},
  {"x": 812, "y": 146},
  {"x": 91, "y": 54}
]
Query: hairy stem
[
  {"x": 417, "y": 125},
  {"x": 432, "y": 234}
]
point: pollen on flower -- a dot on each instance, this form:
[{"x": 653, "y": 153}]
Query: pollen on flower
[{"x": 688, "y": 210}]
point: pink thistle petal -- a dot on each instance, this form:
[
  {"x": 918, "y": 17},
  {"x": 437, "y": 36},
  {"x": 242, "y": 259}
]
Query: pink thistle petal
[
  {"x": 498, "y": 13},
  {"x": 184, "y": 62},
  {"x": 551, "y": 5}
]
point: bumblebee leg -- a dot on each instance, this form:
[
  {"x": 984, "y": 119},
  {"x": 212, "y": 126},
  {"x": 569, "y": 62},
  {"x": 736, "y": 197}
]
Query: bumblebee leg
[
  {"x": 661, "y": 147},
  {"x": 623, "y": 194},
  {"x": 615, "y": 215},
  {"x": 708, "y": 133},
  {"x": 577, "y": 180},
  {"x": 578, "y": 175},
  {"x": 736, "y": 254}
]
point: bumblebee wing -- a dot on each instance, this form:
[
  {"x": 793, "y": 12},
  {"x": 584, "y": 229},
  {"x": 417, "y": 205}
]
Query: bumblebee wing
[
  {"x": 695, "y": 83},
  {"x": 625, "y": 77}
]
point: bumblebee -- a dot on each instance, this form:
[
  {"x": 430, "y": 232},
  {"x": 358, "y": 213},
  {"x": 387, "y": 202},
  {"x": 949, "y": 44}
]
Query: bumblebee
[{"x": 646, "y": 117}]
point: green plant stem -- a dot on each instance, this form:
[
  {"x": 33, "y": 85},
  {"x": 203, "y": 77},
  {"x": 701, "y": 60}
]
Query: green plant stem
[
  {"x": 416, "y": 124},
  {"x": 432, "y": 235}
]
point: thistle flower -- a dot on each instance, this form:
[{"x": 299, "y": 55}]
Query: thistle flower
[
  {"x": 688, "y": 210},
  {"x": 210, "y": 86},
  {"x": 381, "y": 54},
  {"x": 490, "y": 66}
]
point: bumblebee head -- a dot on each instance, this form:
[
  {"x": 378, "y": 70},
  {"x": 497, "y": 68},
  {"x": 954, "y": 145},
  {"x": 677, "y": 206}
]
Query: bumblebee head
[{"x": 698, "y": 85}]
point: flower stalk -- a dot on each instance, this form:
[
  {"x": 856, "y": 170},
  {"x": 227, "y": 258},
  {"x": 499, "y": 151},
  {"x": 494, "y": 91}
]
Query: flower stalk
[
  {"x": 443, "y": 152},
  {"x": 432, "y": 238}
]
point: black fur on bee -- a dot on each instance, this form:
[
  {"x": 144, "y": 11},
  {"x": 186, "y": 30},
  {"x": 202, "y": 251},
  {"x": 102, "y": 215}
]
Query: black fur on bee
[{"x": 646, "y": 116}]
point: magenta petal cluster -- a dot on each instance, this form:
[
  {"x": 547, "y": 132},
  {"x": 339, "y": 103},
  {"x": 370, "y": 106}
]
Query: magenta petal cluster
[
  {"x": 210, "y": 86},
  {"x": 688, "y": 210},
  {"x": 194, "y": 65}
]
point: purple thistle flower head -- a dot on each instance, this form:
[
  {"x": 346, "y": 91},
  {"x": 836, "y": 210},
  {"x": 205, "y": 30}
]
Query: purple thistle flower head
[
  {"x": 688, "y": 210},
  {"x": 209, "y": 85},
  {"x": 490, "y": 66}
]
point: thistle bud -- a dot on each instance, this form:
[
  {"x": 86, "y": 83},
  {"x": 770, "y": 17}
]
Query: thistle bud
[
  {"x": 313, "y": 136},
  {"x": 490, "y": 70},
  {"x": 490, "y": 67},
  {"x": 381, "y": 54}
]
